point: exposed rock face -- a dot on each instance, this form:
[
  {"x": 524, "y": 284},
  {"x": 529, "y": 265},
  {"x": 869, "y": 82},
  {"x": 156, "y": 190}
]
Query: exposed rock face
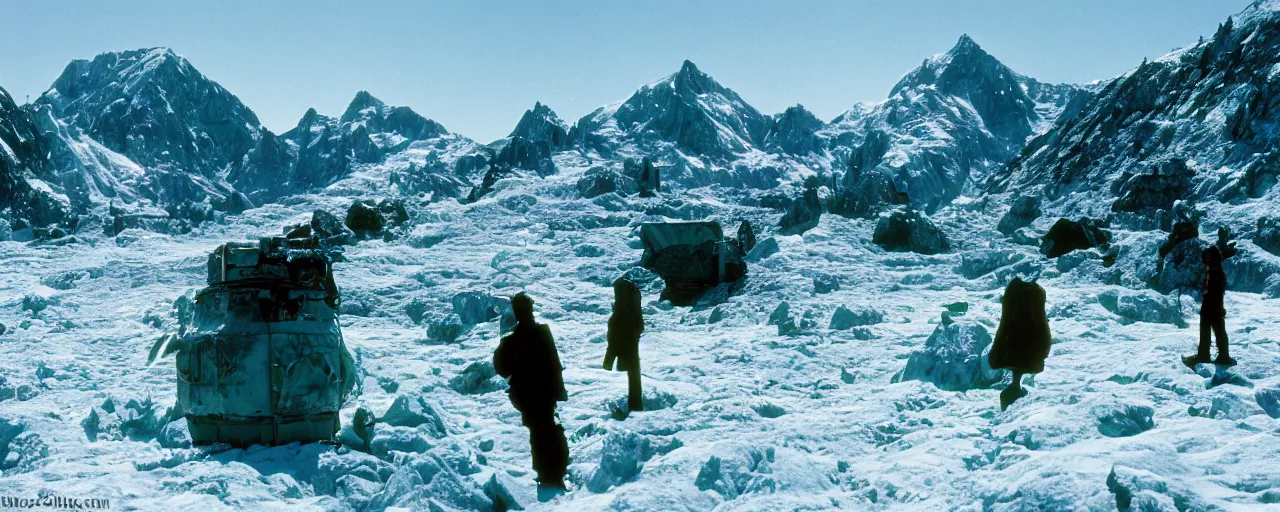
[
  {"x": 1156, "y": 189},
  {"x": 1209, "y": 103},
  {"x": 1067, "y": 235},
  {"x": 541, "y": 124},
  {"x": 646, "y": 176},
  {"x": 691, "y": 257},
  {"x": 794, "y": 132},
  {"x": 364, "y": 219},
  {"x": 523, "y": 153},
  {"x": 802, "y": 214},
  {"x": 22, "y": 149},
  {"x": 909, "y": 230},
  {"x": 490, "y": 178},
  {"x": 1025, "y": 210},
  {"x": 1268, "y": 235}
]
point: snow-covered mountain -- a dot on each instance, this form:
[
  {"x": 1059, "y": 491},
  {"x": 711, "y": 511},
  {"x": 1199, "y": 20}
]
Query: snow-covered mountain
[
  {"x": 1196, "y": 123},
  {"x": 25, "y": 193},
  {"x": 688, "y": 109},
  {"x": 955, "y": 117},
  {"x": 848, "y": 371}
]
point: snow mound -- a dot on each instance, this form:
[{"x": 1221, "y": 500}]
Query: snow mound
[{"x": 954, "y": 358}]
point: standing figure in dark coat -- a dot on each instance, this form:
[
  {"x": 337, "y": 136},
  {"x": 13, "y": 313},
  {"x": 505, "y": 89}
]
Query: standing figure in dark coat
[
  {"x": 1023, "y": 339},
  {"x": 527, "y": 358},
  {"x": 625, "y": 327},
  {"x": 1213, "y": 312}
]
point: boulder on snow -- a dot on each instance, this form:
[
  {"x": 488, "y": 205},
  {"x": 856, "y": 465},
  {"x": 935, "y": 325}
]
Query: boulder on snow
[
  {"x": 508, "y": 494},
  {"x": 393, "y": 211},
  {"x": 1269, "y": 400},
  {"x": 447, "y": 328},
  {"x": 1158, "y": 188},
  {"x": 412, "y": 411},
  {"x": 1025, "y": 210},
  {"x": 766, "y": 248},
  {"x": 478, "y": 377},
  {"x": 953, "y": 358},
  {"x": 691, "y": 257},
  {"x": 479, "y": 307},
  {"x": 364, "y": 219},
  {"x": 825, "y": 283},
  {"x": 598, "y": 181},
  {"x": 1267, "y": 235},
  {"x": 324, "y": 226},
  {"x": 1143, "y": 306},
  {"x": 845, "y": 318},
  {"x": 1067, "y": 235},
  {"x": 910, "y": 230}
]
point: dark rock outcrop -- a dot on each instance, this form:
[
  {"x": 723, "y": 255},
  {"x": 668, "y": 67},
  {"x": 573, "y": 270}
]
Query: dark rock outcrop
[
  {"x": 1067, "y": 235},
  {"x": 803, "y": 213},
  {"x": 794, "y": 132},
  {"x": 1268, "y": 235},
  {"x": 1025, "y": 210},
  {"x": 364, "y": 219},
  {"x": 691, "y": 257},
  {"x": 909, "y": 230}
]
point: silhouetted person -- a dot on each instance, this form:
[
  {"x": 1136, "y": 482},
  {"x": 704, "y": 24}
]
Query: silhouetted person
[
  {"x": 625, "y": 327},
  {"x": 1023, "y": 339},
  {"x": 362, "y": 424},
  {"x": 1213, "y": 313},
  {"x": 528, "y": 359}
]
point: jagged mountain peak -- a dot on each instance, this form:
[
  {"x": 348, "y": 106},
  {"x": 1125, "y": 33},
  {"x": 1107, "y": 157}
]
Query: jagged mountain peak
[
  {"x": 154, "y": 107},
  {"x": 688, "y": 108},
  {"x": 969, "y": 73},
  {"x": 692, "y": 80},
  {"x": 965, "y": 45},
  {"x": 363, "y": 105},
  {"x": 541, "y": 123},
  {"x": 794, "y": 131}
]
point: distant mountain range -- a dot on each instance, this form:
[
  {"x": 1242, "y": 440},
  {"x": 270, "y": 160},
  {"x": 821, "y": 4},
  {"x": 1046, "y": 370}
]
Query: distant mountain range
[{"x": 143, "y": 132}]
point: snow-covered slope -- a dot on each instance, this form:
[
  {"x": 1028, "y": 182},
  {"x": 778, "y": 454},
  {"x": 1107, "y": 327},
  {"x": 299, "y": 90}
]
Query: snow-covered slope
[{"x": 1205, "y": 114}]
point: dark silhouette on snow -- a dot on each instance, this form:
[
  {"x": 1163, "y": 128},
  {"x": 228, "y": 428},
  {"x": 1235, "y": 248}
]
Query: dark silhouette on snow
[
  {"x": 527, "y": 358},
  {"x": 1213, "y": 312},
  {"x": 625, "y": 327},
  {"x": 1022, "y": 340}
]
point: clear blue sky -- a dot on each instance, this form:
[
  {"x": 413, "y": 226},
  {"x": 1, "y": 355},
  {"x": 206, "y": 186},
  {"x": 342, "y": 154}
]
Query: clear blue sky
[{"x": 475, "y": 66}]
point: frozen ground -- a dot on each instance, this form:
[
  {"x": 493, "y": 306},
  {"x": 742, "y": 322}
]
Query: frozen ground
[{"x": 741, "y": 418}]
